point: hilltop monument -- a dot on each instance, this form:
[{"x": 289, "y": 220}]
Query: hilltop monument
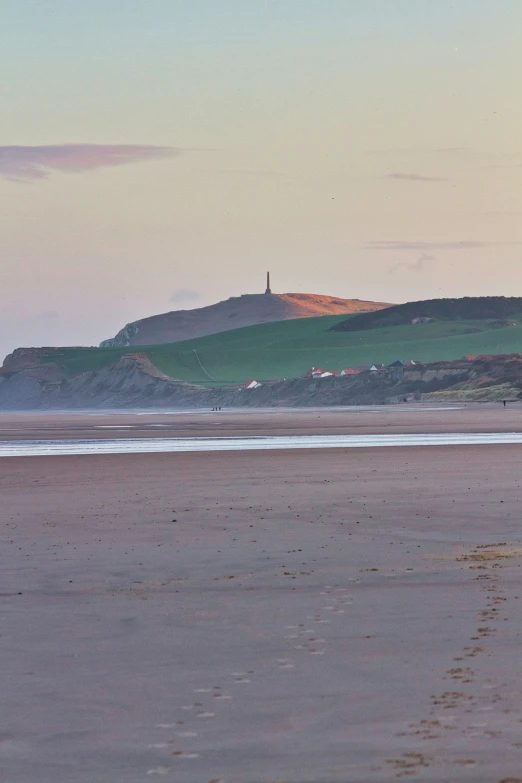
[{"x": 246, "y": 310}]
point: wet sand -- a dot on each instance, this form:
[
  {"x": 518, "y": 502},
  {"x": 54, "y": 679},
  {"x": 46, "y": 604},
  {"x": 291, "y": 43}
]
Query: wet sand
[
  {"x": 346, "y": 616},
  {"x": 417, "y": 417}
]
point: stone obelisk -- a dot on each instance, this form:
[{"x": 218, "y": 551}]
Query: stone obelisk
[{"x": 268, "y": 291}]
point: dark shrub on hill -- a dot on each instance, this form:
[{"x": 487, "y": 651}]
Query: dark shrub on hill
[{"x": 467, "y": 308}]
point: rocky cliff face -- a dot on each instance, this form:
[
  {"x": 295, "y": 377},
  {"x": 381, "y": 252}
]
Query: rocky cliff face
[
  {"x": 233, "y": 313},
  {"x": 129, "y": 382},
  {"x": 24, "y": 357},
  {"x": 134, "y": 382}
]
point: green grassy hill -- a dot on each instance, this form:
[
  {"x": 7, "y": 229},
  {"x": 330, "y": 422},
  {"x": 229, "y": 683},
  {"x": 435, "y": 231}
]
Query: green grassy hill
[
  {"x": 466, "y": 308},
  {"x": 287, "y": 349}
]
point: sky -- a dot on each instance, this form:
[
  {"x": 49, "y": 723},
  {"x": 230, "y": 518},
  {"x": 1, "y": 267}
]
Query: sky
[{"x": 159, "y": 155}]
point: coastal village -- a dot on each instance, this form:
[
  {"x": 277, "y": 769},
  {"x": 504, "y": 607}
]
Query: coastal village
[{"x": 394, "y": 370}]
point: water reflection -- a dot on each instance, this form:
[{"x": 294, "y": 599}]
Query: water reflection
[{"x": 163, "y": 445}]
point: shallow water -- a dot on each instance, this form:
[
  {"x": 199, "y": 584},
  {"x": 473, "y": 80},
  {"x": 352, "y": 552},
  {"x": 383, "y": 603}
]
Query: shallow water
[{"x": 273, "y": 442}]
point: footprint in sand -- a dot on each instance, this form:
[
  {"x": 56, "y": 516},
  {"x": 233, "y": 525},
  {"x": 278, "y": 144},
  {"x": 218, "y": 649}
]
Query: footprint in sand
[
  {"x": 243, "y": 677},
  {"x": 181, "y": 754}
]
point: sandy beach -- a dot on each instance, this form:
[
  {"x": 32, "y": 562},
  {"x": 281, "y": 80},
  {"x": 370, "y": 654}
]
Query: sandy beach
[
  {"x": 346, "y": 616},
  {"x": 418, "y": 417}
]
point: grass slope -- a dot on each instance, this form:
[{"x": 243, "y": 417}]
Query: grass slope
[
  {"x": 287, "y": 349},
  {"x": 466, "y": 308}
]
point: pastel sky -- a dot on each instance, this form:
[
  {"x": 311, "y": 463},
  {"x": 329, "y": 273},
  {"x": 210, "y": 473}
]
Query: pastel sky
[{"x": 163, "y": 154}]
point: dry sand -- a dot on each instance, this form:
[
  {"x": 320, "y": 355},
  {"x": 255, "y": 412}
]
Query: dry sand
[{"x": 349, "y": 616}]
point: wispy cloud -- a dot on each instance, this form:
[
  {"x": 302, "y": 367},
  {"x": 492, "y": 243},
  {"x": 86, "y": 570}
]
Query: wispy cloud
[
  {"x": 497, "y": 212},
  {"x": 449, "y": 150},
  {"x": 412, "y": 151},
  {"x": 416, "y": 266},
  {"x": 183, "y": 295},
  {"x": 22, "y": 163},
  {"x": 467, "y": 244},
  {"x": 249, "y": 172},
  {"x": 413, "y": 177}
]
